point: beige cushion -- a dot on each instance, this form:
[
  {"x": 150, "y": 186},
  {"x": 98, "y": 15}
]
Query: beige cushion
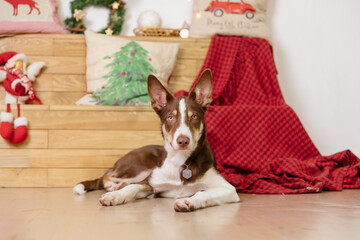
[
  {"x": 100, "y": 54},
  {"x": 236, "y": 17},
  {"x": 30, "y": 16},
  {"x": 99, "y": 46}
]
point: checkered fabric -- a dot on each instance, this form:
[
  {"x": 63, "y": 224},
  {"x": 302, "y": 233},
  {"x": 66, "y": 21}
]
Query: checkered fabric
[{"x": 259, "y": 143}]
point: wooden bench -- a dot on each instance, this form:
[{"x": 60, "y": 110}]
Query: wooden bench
[{"x": 69, "y": 143}]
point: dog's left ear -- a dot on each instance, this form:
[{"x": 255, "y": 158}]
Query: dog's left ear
[
  {"x": 203, "y": 89},
  {"x": 159, "y": 96}
]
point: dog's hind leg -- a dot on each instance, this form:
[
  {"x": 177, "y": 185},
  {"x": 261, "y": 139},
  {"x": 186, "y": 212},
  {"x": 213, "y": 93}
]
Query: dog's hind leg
[
  {"x": 126, "y": 194},
  {"x": 113, "y": 183},
  {"x": 113, "y": 186}
]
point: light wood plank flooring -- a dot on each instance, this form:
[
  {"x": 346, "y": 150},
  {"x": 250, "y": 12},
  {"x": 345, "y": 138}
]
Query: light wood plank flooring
[{"x": 55, "y": 213}]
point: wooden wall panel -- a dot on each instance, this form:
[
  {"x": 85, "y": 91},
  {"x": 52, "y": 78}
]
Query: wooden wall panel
[
  {"x": 68, "y": 82},
  {"x": 178, "y": 83},
  {"x": 35, "y": 139},
  {"x": 70, "y": 177},
  {"x": 92, "y": 120},
  {"x": 101, "y": 108},
  {"x": 44, "y": 82},
  {"x": 60, "y": 158},
  {"x": 59, "y": 83},
  {"x": 29, "y": 46},
  {"x": 110, "y": 139},
  {"x": 187, "y": 67},
  {"x": 31, "y": 177},
  {"x": 5, "y": 44},
  {"x": 61, "y": 64},
  {"x": 70, "y": 47},
  {"x": 63, "y": 98},
  {"x": 15, "y": 158}
]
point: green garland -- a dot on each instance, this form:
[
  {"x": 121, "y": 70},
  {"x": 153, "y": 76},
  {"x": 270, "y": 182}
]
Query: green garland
[{"x": 116, "y": 16}]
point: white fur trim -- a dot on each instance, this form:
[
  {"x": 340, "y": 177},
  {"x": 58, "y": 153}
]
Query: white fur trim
[
  {"x": 20, "y": 121},
  {"x": 10, "y": 99},
  {"x": 20, "y": 56},
  {"x": 34, "y": 69},
  {"x": 79, "y": 189},
  {"x": 6, "y": 117},
  {"x": 2, "y": 75}
]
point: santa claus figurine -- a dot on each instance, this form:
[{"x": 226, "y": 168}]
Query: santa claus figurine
[{"x": 17, "y": 78}]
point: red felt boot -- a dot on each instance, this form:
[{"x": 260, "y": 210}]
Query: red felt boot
[
  {"x": 6, "y": 128},
  {"x": 20, "y": 132}
]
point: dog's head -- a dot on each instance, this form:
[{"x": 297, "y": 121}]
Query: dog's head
[{"x": 182, "y": 118}]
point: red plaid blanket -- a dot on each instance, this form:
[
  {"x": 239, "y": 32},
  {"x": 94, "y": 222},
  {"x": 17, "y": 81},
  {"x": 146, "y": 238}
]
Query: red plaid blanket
[{"x": 258, "y": 140}]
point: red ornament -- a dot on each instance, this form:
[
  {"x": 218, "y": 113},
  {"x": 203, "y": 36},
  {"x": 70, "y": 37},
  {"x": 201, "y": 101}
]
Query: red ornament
[
  {"x": 103, "y": 87},
  {"x": 123, "y": 73},
  {"x": 150, "y": 59},
  {"x": 135, "y": 50}
]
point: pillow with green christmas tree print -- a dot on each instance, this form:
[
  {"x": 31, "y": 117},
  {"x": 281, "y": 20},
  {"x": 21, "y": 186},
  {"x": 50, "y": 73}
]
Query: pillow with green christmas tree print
[
  {"x": 127, "y": 77},
  {"x": 117, "y": 69}
]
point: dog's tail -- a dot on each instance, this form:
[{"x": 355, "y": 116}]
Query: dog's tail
[{"x": 89, "y": 185}]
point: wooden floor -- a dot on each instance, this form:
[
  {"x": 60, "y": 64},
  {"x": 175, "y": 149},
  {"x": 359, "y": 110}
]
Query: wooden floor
[{"x": 55, "y": 213}]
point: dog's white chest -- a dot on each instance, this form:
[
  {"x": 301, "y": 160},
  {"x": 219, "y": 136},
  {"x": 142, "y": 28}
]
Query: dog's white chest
[{"x": 166, "y": 182}]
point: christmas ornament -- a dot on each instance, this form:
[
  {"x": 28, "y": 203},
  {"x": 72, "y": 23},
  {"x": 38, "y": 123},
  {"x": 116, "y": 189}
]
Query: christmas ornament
[
  {"x": 115, "y": 5},
  {"x": 109, "y": 31},
  {"x": 184, "y": 32},
  {"x": 149, "y": 18},
  {"x": 79, "y": 14},
  {"x": 116, "y": 18},
  {"x": 17, "y": 78}
]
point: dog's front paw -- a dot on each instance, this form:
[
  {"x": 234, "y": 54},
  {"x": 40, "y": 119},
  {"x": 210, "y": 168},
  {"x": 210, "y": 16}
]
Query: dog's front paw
[
  {"x": 107, "y": 199},
  {"x": 110, "y": 199},
  {"x": 184, "y": 205}
]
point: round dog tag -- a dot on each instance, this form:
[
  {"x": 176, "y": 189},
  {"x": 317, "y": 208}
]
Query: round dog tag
[{"x": 187, "y": 173}]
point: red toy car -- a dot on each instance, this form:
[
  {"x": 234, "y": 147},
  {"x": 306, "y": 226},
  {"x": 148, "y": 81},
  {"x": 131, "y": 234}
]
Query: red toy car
[{"x": 240, "y": 7}]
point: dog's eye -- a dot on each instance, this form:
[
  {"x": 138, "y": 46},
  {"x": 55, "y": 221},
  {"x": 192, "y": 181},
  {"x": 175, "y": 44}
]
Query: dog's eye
[
  {"x": 170, "y": 117},
  {"x": 194, "y": 116}
]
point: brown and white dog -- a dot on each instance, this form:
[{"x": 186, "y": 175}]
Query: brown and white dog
[{"x": 184, "y": 168}]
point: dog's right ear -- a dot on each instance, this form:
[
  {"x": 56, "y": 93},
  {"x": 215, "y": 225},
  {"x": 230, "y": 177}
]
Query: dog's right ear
[
  {"x": 159, "y": 96},
  {"x": 201, "y": 93}
]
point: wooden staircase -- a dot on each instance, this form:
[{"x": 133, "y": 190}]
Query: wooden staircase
[{"x": 69, "y": 143}]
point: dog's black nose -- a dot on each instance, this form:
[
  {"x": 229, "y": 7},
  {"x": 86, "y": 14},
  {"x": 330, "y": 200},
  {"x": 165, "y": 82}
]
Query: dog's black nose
[{"x": 183, "y": 141}]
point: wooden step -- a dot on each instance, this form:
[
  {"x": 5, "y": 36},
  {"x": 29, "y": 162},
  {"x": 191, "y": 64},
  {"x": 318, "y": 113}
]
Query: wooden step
[
  {"x": 90, "y": 119},
  {"x": 60, "y": 158},
  {"x": 102, "y": 139}
]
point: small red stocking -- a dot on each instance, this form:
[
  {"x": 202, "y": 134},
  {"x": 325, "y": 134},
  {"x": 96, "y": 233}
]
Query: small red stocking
[
  {"x": 20, "y": 132},
  {"x": 6, "y": 128}
]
